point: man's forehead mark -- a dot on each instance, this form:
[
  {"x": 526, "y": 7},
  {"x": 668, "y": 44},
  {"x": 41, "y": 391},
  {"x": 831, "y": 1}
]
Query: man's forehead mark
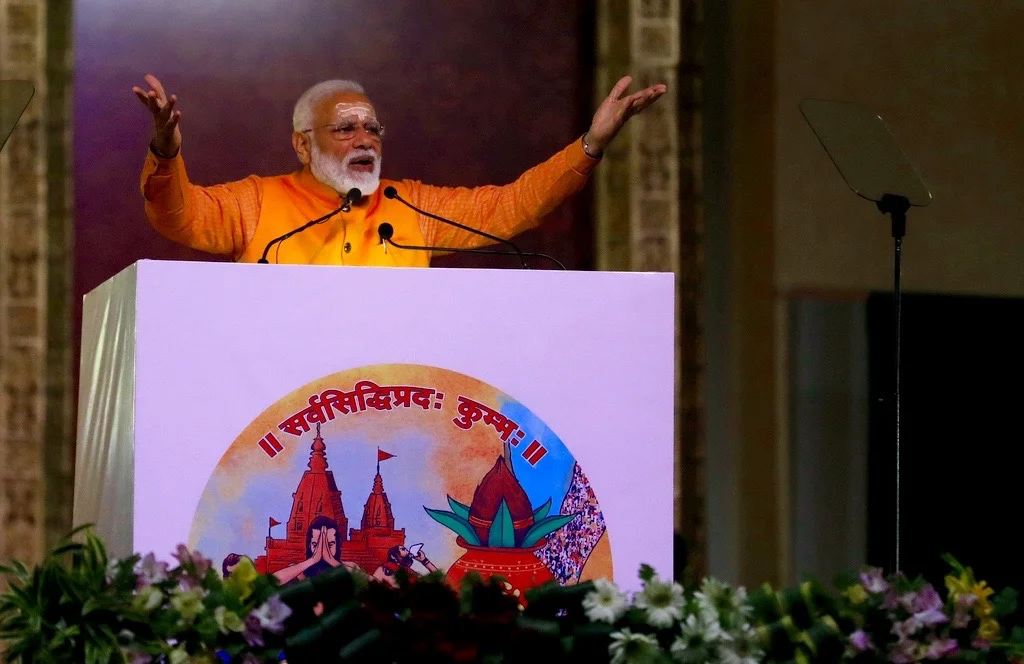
[{"x": 361, "y": 110}]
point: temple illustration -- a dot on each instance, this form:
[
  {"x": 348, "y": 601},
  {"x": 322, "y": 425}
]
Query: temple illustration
[{"x": 317, "y": 494}]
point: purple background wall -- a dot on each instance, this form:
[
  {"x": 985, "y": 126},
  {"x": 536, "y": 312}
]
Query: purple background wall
[{"x": 471, "y": 93}]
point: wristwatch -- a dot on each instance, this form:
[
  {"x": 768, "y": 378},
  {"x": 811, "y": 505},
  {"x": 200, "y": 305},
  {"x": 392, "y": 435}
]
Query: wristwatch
[{"x": 586, "y": 149}]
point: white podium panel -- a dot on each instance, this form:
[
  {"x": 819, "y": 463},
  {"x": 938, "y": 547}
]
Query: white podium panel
[{"x": 502, "y": 421}]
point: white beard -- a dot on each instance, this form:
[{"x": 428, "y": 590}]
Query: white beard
[{"x": 335, "y": 173}]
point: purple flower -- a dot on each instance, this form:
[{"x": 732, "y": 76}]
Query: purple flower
[
  {"x": 939, "y": 648},
  {"x": 861, "y": 641},
  {"x": 272, "y": 614},
  {"x": 966, "y": 601},
  {"x": 930, "y": 618},
  {"x": 927, "y": 599},
  {"x": 981, "y": 644},
  {"x": 927, "y": 607},
  {"x": 962, "y": 615},
  {"x": 905, "y": 629},
  {"x": 149, "y": 571},
  {"x": 193, "y": 558},
  {"x": 138, "y": 657},
  {"x": 907, "y": 600},
  {"x": 873, "y": 581},
  {"x": 253, "y": 631},
  {"x": 904, "y": 652}
]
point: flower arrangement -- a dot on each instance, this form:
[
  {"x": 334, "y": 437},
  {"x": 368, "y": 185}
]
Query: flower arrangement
[
  {"x": 879, "y": 618},
  {"x": 79, "y": 606},
  {"x": 665, "y": 622}
]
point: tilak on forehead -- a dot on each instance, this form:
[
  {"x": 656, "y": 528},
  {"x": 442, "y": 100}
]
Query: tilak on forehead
[{"x": 359, "y": 110}]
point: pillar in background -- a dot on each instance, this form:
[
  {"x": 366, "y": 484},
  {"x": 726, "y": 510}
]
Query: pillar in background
[
  {"x": 648, "y": 208},
  {"x": 36, "y": 440}
]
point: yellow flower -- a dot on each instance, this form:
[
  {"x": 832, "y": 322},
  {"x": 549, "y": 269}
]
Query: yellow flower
[
  {"x": 242, "y": 579},
  {"x": 189, "y": 604},
  {"x": 966, "y": 585},
  {"x": 989, "y": 629},
  {"x": 856, "y": 593},
  {"x": 227, "y": 621}
]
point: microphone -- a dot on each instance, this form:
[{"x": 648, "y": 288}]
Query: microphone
[
  {"x": 391, "y": 192},
  {"x": 351, "y": 197},
  {"x": 386, "y": 231}
]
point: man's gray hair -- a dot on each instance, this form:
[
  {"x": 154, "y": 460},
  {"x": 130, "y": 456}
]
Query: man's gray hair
[{"x": 302, "y": 116}]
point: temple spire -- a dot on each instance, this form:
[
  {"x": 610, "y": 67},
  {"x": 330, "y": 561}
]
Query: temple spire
[{"x": 318, "y": 456}]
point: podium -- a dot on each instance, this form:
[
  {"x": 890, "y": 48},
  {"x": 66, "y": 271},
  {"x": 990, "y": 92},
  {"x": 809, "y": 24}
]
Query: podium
[{"x": 500, "y": 421}]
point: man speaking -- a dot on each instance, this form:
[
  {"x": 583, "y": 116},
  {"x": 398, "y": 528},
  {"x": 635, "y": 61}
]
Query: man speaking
[{"x": 339, "y": 141}]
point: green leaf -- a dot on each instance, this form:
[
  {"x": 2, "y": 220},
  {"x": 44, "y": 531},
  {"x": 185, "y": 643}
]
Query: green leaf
[
  {"x": 647, "y": 573},
  {"x": 502, "y": 534},
  {"x": 457, "y": 524},
  {"x": 550, "y": 628},
  {"x": 545, "y": 527},
  {"x": 90, "y": 605},
  {"x": 73, "y": 548},
  {"x": 542, "y": 511},
  {"x": 1005, "y": 603},
  {"x": 953, "y": 562},
  {"x": 460, "y": 510},
  {"x": 360, "y": 643}
]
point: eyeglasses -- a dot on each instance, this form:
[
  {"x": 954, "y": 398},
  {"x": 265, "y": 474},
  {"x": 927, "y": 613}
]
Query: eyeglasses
[{"x": 346, "y": 129}]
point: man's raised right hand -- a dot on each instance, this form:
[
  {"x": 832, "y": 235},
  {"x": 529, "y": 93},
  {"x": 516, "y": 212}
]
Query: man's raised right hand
[{"x": 166, "y": 134}]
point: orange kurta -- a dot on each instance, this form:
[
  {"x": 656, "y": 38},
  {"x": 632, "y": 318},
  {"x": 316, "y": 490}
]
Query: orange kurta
[{"x": 240, "y": 218}]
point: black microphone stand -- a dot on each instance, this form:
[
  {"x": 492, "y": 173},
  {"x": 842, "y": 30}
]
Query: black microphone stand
[
  {"x": 385, "y": 231},
  {"x": 352, "y": 196},
  {"x": 391, "y": 192},
  {"x": 276, "y": 240}
]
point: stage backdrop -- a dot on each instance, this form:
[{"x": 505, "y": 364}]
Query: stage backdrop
[{"x": 471, "y": 93}]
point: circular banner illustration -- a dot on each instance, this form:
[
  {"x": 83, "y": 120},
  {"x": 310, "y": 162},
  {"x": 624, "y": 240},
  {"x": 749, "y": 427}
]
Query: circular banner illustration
[{"x": 393, "y": 466}]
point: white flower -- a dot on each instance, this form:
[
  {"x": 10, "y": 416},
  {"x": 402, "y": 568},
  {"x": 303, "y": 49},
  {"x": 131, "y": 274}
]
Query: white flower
[
  {"x": 741, "y": 647},
  {"x": 727, "y": 655},
  {"x": 606, "y": 603},
  {"x": 148, "y": 599},
  {"x": 663, "y": 602},
  {"x": 179, "y": 656},
  {"x": 699, "y": 638},
  {"x": 149, "y": 570},
  {"x": 272, "y": 614},
  {"x": 113, "y": 566},
  {"x": 629, "y": 648},
  {"x": 717, "y": 601}
]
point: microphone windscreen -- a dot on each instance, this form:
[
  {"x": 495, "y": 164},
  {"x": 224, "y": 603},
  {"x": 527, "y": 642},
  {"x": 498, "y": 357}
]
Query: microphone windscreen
[
  {"x": 385, "y": 231},
  {"x": 390, "y": 192},
  {"x": 354, "y": 195}
]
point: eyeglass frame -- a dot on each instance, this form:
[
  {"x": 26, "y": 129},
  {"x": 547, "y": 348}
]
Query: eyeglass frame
[{"x": 335, "y": 125}]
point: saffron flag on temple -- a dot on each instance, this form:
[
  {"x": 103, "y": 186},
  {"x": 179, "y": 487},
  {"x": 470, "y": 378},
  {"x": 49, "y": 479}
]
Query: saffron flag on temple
[
  {"x": 274, "y": 522},
  {"x": 382, "y": 455}
]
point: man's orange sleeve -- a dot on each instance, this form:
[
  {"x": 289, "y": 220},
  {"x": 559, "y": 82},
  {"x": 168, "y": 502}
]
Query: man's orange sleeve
[
  {"x": 220, "y": 219},
  {"x": 503, "y": 211}
]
